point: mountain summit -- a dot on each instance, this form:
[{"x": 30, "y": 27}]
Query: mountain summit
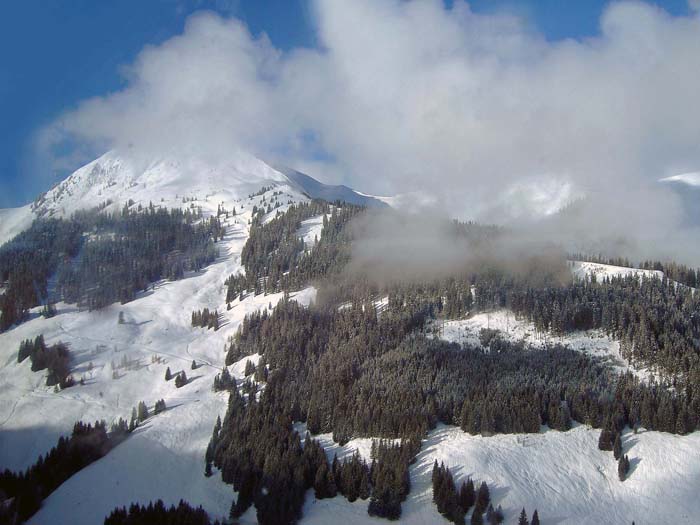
[{"x": 114, "y": 179}]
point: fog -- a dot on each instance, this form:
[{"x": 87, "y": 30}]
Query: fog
[
  {"x": 480, "y": 115},
  {"x": 391, "y": 246}
]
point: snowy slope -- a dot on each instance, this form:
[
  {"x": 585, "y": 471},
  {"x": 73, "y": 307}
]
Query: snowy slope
[
  {"x": 584, "y": 270},
  {"x": 562, "y": 474},
  {"x": 164, "y": 458},
  {"x": 310, "y": 230},
  {"x": 14, "y": 221},
  {"x": 510, "y": 328},
  {"x": 691, "y": 178},
  {"x": 117, "y": 179}
]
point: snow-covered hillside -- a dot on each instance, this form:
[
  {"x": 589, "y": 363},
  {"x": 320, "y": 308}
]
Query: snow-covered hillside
[
  {"x": 562, "y": 474},
  {"x": 122, "y": 364},
  {"x": 586, "y": 270},
  {"x": 115, "y": 179},
  {"x": 510, "y": 328}
]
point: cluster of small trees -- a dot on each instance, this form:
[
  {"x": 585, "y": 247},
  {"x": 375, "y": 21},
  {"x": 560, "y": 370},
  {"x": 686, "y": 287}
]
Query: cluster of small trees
[
  {"x": 276, "y": 259},
  {"x": 158, "y": 514},
  {"x": 522, "y": 519},
  {"x": 26, "y": 490},
  {"x": 224, "y": 381},
  {"x": 122, "y": 254},
  {"x": 353, "y": 372},
  {"x": 611, "y": 440},
  {"x": 391, "y": 482},
  {"x": 454, "y": 503},
  {"x": 27, "y": 262},
  {"x": 180, "y": 378},
  {"x": 55, "y": 358},
  {"x": 205, "y": 318}
]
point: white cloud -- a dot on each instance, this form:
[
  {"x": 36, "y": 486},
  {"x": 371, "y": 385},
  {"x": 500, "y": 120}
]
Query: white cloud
[{"x": 411, "y": 96}]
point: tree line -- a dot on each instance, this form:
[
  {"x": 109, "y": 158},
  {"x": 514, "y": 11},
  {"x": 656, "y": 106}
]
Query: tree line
[
  {"x": 100, "y": 258},
  {"x": 24, "y": 491}
]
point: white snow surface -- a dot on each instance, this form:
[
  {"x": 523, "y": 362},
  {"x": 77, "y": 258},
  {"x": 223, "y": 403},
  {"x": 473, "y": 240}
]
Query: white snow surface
[
  {"x": 164, "y": 182},
  {"x": 562, "y": 474},
  {"x": 164, "y": 458},
  {"x": 310, "y": 230},
  {"x": 691, "y": 178},
  {"x": 584, "y": 270},
  {"x": 513, "y": 329},
  {"x": 14, "y": 221}
]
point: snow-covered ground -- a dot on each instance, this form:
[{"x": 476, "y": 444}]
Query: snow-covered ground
[
  {"x": 562, "y": 474},
  {"x": 311, "y": 230},
  {"x": 691, "y": 178},
  {"x": 510, "y": 328},
  {"x": 14, "y": 221},
  {"x": 584, "y": 270},
  {"x": 163, "y": 458}
]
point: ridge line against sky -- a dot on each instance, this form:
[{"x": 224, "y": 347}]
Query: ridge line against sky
[{"x": 55, "y": 54}]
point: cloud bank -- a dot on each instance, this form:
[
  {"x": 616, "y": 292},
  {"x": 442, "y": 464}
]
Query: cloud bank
[{"x": 480, "y": 111}]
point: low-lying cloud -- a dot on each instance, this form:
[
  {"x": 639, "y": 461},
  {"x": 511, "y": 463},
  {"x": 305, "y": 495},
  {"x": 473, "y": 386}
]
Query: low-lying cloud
[
  {"x": 392, "y": 246},
  {"x": 479, "y": 111}
]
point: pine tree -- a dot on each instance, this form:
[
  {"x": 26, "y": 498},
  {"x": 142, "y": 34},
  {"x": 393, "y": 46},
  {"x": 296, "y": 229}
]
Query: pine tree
[
  {"x": 181, "y": 379},
  {"x": 483, "y": 497},
  {"x": 535, "y": 518},
  {"x": 194, "y": 365},
  {"x": 133, "y": 422},
  {"x": 617, "y": 447},
  {"x": 522, "y": 520},
  {"x": 606, "y": 439},
  {"x": 467, "y": 495},
  {"x": 623, "y": 467},
  {"x": 249, "y": 368},
  {"x": 477, "y": 518},
  {"x": 168, "y": 374},
  {"x": 142, "y": 412}
]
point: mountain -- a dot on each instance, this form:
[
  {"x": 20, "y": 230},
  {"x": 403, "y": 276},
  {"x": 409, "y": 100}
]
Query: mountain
[
  {"x": 114, "y": 179},
  {"x": 121, "y": 353},
  {"x": 317, "y": 190}
]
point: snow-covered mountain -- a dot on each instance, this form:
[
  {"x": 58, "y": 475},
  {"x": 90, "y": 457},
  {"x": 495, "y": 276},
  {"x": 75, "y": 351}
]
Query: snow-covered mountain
[
  {"x": 561, "y": 472},
  {"x": 115, "y": 179}
]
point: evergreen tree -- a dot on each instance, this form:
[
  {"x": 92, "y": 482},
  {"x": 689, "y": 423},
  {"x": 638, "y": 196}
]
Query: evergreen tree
[
  {"x": 483, "y": 497},
  {"x": 477, "y": 518},
  {"x": 623, "y": 467},
  {"x": 522, "y": 520},
  {"x": 180, "y": 379},
  {"x": 142, "y": 412},
  {"x": 168, "y": 374},
  {"x": 535, "y": 518},
  {"x": 617, "y": 447},
  {"x": 249, "y": 368},
  {"x": 467, "y": 495}
]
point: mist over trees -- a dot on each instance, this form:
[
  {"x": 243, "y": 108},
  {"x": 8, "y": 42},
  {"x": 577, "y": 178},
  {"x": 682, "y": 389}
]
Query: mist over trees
[{"x": 342, "y": 366}]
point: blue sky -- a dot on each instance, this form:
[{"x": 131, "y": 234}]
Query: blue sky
[{"x": 54, "y": 54}]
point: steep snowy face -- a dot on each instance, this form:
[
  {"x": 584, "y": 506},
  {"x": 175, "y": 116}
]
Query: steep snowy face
[{"x": 117, "y": 179}]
